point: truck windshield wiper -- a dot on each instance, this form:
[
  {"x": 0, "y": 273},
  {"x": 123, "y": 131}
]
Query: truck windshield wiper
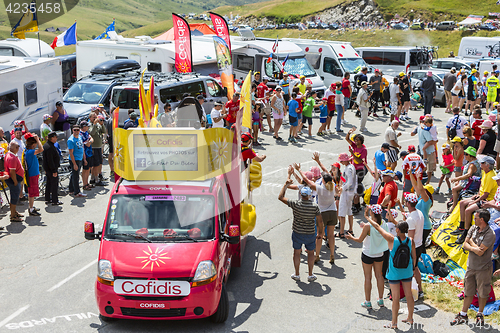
[{"x": 134, "y": 235}]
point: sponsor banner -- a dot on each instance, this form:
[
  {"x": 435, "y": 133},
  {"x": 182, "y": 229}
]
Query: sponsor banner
[
  {"x": 221, "y": 28},
  {"x": 225, "y": 65},
  {"x": 152, "y": 287},
  {"x": 153, "y": 305},
  {"x": 182, "y": 38}
]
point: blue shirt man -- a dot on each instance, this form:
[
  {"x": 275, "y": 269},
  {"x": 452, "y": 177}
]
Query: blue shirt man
[
  {"x": 293, "y": 105},
  {"x": 423, "y": 137},
  {"x": 380, "y": 157}
]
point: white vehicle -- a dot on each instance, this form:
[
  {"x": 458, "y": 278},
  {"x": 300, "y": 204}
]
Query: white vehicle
[
  {"x": 252, "y": 54},
  {"x": 155, "y": 55},
  {"x": 487, "y": 65},
  {"x": 330, "y": 59},
  {"x": 28, "y": 47},
  {"x": 395, "y": 59},
  {"x": 29, "y": 88},
  {"x": 479, "y": 47}
]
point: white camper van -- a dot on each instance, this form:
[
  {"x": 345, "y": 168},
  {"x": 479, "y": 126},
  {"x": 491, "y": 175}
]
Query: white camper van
[
  {"x": 155, "y": 55},
  {"x": 29, "y": 88},
  {"x": 330, "y": 59},
  {"x": 479, "y": 47},
  {"x": 395, "y": 59},
  {"x": 29, "y": 47},
  {"x": 252, "y": 54}
]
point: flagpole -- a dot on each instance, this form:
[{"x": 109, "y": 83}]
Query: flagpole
[{"x": 39, "y": 46}]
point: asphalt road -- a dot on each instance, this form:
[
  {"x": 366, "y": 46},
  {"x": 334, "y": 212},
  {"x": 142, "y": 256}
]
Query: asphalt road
[{"x": 48, "y": 269}]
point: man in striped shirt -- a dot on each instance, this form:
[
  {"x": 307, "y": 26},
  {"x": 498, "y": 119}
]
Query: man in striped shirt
[{"x": 303, "y": 231}]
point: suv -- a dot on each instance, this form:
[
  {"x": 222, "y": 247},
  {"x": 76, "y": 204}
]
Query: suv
[
  {"x": 170, "y": 87},
  {"x": 446, "y": 25},
  {"x": 448, "y": 63},
  {"x": 96, "y": 88}
]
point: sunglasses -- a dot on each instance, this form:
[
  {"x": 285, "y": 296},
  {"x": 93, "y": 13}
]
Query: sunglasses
[{"x": 76, "y": 130}]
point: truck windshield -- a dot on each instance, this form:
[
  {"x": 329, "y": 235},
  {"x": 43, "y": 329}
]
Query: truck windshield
[
  {"x": 85, "y": 92},
  {"x": 298, "y": 66},
  {"x": 352, "y": 65},
  {"x": 161, "y": 218}
]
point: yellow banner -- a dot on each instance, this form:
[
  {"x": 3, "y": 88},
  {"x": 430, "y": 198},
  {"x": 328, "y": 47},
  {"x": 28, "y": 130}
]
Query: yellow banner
[
  {"x": 446, "y": 241},
  {"x": 246, "y": 101},
  {"x": 170, "y": 154}
]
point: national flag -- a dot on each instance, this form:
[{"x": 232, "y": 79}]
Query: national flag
[
  {"x": 269, "y": 58},
  {"x": 27, "y": 23},
  {"x": 284, "y": 61},
  {"x": 275, "y": 45},
  {"x": 246, "y": 101},
  {"x": 105, "y": 35},
  {"x": 66, "y": 38}
]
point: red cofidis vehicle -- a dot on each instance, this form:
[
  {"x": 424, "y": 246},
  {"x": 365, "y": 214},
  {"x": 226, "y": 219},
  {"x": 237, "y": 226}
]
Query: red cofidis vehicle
[{"x": 176, "y": 224}]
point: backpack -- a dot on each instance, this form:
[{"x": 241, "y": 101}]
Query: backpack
[
  {"x": 452, "y": 132},
  {"x": 440, "y": 269},
  {"x": 357, "y": 80},
  {"x": 386, "y": 94},
  {"x": 401, "y": 258},
  {"x": 425, "y": 264}
]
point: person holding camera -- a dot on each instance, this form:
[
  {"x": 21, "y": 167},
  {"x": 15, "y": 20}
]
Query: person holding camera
[
  {"x": 364, "y": 104},
  {"x": 96, "y": 131}
]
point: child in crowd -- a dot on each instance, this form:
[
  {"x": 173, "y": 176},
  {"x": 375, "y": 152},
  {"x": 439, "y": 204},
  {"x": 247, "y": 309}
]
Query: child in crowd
[
  {"x": 308, "y": 108},
  {"x": 293, "y": 107},
  {"x": 446, "y": 167},
  {"x": 255, "y": 124},
  {"x": 323, "y": 114},
  {"x": 458, "y": 155},
  {"x": 298, "y": 98}
]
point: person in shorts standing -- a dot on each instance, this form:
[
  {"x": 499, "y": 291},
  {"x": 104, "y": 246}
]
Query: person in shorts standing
[
  {"x": 323, "y": 116},
  {"x": 347, "y": 91},
  {"x": 279, "y": 108},
  {"x": 405, "y": 86},
  {"x": 97, "y": 131},
  {"x": 87, "y": 149},
  {"x": 307, "y": 111},
  {"x": 32, "y": 168},
  {"x": 303, "y": 227},
  {"x": 347, "y": 192},
  {"x": 449, "y": 81},
  {"x": 391, "y": 137},
  {"x": 293, "y": 105},
  {"x": 330, "y": 103},
  {"x": 339, "y": 106},
  {"x": 15, "y": 181},
  {"x": 77, "y": 160},
  {"x": 479, "y": 242},
  {"x": 364, "y": 104}
]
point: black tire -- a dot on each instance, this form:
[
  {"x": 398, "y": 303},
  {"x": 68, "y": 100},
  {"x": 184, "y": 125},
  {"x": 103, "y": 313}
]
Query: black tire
[
  {"x": 106, "y": 319},
  {"x": 222, "y": 312}
]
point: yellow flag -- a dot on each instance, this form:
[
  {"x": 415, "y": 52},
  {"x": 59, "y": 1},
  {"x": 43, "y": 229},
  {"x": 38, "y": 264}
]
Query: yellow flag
[
  {"x": 27, "y": 23},
  {"x": 246, "y": 101}
]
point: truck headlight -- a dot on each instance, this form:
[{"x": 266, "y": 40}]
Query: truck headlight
[
  {"x": 104, "y": 272},
  {"x": 205, "y": 273}
]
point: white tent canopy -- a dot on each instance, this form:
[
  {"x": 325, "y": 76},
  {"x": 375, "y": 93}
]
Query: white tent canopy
[{"x": 471, "y": 20}]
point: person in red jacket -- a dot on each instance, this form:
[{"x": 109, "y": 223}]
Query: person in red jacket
[{"x": 232, "y": 107}]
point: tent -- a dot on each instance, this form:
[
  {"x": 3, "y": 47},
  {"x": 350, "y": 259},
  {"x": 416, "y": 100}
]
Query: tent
[
  {"x": 197, "y": 29},
  {"x": 471, "y": 20}
]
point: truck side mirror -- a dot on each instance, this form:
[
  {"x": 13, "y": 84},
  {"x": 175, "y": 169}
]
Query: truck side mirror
[
  {"x": 89, "y": 231},
  {"x": 234, "y": 235}
]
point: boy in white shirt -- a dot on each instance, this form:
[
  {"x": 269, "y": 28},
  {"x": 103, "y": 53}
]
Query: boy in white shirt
[{"x": 217, "y": 115}]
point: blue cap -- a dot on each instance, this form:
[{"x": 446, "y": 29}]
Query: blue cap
[
  {"x": 399, "y": 175},
  {"x": 305, "y": 191},
  {"x": 496, "y": 71}
]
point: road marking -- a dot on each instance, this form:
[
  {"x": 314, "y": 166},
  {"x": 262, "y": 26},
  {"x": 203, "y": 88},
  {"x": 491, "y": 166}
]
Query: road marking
[
  {"x": 240, "y": 308},
  {"x": 14, "y": 315},
  {"x": 71, "y": 276}
]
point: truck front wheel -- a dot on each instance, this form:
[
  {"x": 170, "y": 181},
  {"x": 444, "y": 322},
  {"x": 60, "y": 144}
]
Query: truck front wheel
[{"x": 222, "y": 312}]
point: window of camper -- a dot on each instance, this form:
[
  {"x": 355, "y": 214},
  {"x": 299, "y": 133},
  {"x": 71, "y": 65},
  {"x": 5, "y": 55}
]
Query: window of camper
[
  {"x": 9, "y": 101},
  {"x": 394, "y": 58},
  {"x": 154, "y": 67},
  {"x": 373, "y": 57},
  {"x": 244, "y": 62},
  {"x": 120, "y": 57},
  {"x": 30, "y": 93}
]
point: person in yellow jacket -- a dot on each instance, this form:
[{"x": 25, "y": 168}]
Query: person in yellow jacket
[
  {"x": 493, "y": 84},
  {"x": 383, "y": 84}
]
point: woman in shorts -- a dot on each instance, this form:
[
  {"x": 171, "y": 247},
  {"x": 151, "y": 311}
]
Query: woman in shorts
[
  {"x": 325, "y": 192},
  {"x": 397, "y": 276},
  {"x": 457, "y": 93},
  {"x": 372, "y": 255},
  {"x": 278, "y": 106}
]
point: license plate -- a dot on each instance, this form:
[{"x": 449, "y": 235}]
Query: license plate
[
  {"x": 152, "y": 287},
  {"x": 152, "y": 305}
]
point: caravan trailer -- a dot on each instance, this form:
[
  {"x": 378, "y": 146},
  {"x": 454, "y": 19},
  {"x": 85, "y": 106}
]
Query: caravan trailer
[
  {"x": 29, "y": 47},
  {"x": 29, "y": 88}
]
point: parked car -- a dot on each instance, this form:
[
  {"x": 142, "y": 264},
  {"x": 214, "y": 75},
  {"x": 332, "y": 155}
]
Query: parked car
[
  {"x": 292, "y": 26},
  {"x": 260, "y": 27},
  {"x": 419, "y": 75},
  {"x": 311, "y": 25},
  {"x": 400, "y": 26},
  {"x": 488, "y": 27},
  {"x": 281, "y": 26},
  {"x": 448, "y": 63},
  {"x": 446, "y": 25},
  {"x": 322, "y": 25},
  {"x": 417, "y": 26},
  {"x": 333, "y": 26}
]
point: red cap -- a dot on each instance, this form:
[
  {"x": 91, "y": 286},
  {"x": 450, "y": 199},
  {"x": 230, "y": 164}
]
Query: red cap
[
  {"x": 246, "y": 136},
  {"x": 377, "y": 70},
  {"x": 27, "y": 136},
  {"x": 332, "y": 85},
  {"x": 422, "y": 118},
  {"x": 337, "y": 165},
  {"x": 411, "y": 148}
]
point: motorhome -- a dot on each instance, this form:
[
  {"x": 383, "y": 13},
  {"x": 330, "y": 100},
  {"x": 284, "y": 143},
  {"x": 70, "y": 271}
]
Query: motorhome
[
  {"x": 29, "y": 47},
  {"x": 256, "y": 54},
  {"x": 29, "y": 88},
  {"x": 395, "y": 59},
  {"x": 330, "y": 59},
  {"x": 155, "y": 55},
  {"x": 479, "y": 47}
]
